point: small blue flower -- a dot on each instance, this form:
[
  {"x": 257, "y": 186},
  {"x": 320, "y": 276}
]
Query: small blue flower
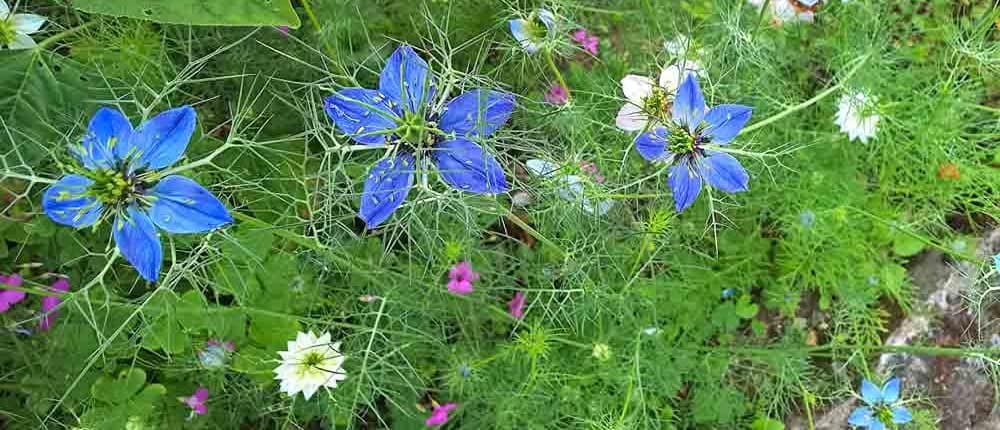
[
  {"x": 400, "y": 112},
  {"x": 465, "y": 370},
  {"x": 882, "y": 406},
  {"x": 728, "y": 293},
  {"x": 807, "y": 218},
  {"x": 996, "y": 262},
  {"x": 121, "y": 180},
  {"x": 530, "y": 34},
  {"x": 682, "y": 145}
]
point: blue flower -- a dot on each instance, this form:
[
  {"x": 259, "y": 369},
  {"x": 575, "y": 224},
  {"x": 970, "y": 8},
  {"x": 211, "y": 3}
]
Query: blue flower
[
  {"x": 120, "y": 180},
  {"x": 682, "y": 145},
  {"x": 882, "y": 406},
  {"x": 996, "y": 262},
  {"x": 400, "y": 112},
  {"x": 530, "y": 34}
]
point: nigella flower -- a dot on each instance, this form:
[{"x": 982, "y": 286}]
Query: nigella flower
[
  {"x": 882, "y": 406},
  {"x": 216, "y": 353},
  {"x": 16, "y": 28},
  {"x": 196, "y": 402},
  {"x": 571, "y": 187},
  {"x": 121, "y": 179},
  {"x": 789, "y": 10},
  {"x": 516, "y": 305},
  {"x": 9, "y": 297},
  {"x": 439, "y": 416},
  {"x": 856, "y": 116},
  {"x": 309, "y": 364},
  {"x": 728, "y": 293},
  {"x": 49, "y": 303},
  {"x": 532, "y": 32},
  {"x": 556, "y": 95},
  {"x": 587, "y": 41},
  {"x": 684, "y": 145},
  {"x": 807, "y": 218},
  {"x": 400, "y": 112},
  {"x": 648, "y": 102},
  {"x": 461, "y": 277}
]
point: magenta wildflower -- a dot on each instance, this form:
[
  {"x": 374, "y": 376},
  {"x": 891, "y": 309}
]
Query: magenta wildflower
[
  {"x": 587, "y": 41},
  {"x": 49, "y": 303},
  {"x": 556, "y": 95},
  {"x": 9, "y": 297},
  {"x": 283, "y": 29},
  {"x": 591, "y": 170},
  {"x": 461, "y": 277},
  {"x": 440, "y": 415},
  {"x": 516, "y": 305},
  {"x": 196, "y": 402}
]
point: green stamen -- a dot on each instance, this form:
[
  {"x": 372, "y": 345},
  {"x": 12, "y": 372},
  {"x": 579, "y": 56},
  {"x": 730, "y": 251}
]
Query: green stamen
[
  {"x": 7, "y": 32},
  {"x": 680, "y": 141},
  {"x": 656, "y": 104},
  {"x": 109, "y": 186}
]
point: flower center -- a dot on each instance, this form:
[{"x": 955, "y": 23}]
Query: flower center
[
  {"x": 681, "y": 141},
  {"x": 313, "y": 359},
  {"x": 656, "y": 104},
  {"x": 110, "y": 186},
  {"x": 883, "y": 413},
  {"x": 7, "y": 32}
]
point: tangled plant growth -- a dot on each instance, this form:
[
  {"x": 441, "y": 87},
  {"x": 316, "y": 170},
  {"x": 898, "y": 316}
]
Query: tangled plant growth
[{"x": 485, "y": 214}]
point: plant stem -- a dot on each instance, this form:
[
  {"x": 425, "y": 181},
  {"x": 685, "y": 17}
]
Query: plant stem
[
  {"x": 66, "y": 33},
  {"x": 559, "y": 76},
  {"x": 28, "y": 178}
]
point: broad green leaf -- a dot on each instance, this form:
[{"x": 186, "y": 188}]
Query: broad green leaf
[
  {"x": 118, "y": 390},
  {"x": 273, "y": 332},
  {"x": 766, "y": 424},
  {"x": 198, "y": 12},
  {"x": 166, "y": 334},
  {"x": 906, "y": 245}
]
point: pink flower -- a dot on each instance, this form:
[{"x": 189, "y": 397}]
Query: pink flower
[
  {"x": 216, "y": 353},
  {"x": 9, "y": 297},
  {"x": 556, "y": 95},
  {"x": 440, "y": 415},
  {"x": 516, "y": 305},
  {"x": 196, "y": 401},
  {"x": 586, "y": 41},
  {"x": 283, "y": 29},
  {"x": 592, "y": 170},
  {"x": 49, "y": 303},
  {"x": 228, "y": 345},
  {"x": 460, "y": 278}
]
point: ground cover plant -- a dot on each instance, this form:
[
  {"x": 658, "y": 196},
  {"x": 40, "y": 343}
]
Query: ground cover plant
[{"x": 496, "y": 214}]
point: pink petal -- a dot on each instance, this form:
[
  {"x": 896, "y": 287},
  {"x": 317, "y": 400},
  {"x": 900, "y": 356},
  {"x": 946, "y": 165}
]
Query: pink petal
[
  {"x": 199, "y": 409},
  {"x": 461, "y": 288},
  {"x": 61, "y": 285},
  {"x": 14, "y": 280},
  {"x": 516, "y": 305},
  {"x": 9, "y": 297},
  {"x": 440, "y": 415},
  {"x": 283, "y": 29},
  {"x": 201, "y": 394}
]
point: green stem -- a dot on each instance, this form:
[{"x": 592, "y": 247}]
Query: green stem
[
  {"x": 66, "y": 33},
  {"x": 774, "y": 118},
  {"x": 29, "y": 178},
  {"x": 559, "y": 76}
]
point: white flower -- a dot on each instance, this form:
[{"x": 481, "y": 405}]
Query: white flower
[
  {"x": 789, "y": 10},
  {"x": 16, "y": 27},
  {"x": 572, "y": 187},
  {"x": 310, "y": 363},
  {"x": 645, "y": 100},
  {"x": 857, "y": 117},
  {"x": 529, "y": 34}
]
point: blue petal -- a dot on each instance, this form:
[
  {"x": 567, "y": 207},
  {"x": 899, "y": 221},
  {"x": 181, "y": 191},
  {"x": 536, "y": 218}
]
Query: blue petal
[
  {"x": 67, "y": 203},
  {"x": 162, "y": 140},
  {"x": 521, "y": 29},
  {"x": 725, "y": 122},
  {"x": 652, "y": 145},
  {"x": 183, "y": 206},
  {"x": 723, "y": 171},
  {"x": 465, "y": 166},
  {"x": 388, "y": 183},
  {"x": 549, "y": 20},
  {"x": 890, "y": 391},
  {"x": 347, "y": 108},
  {"x": 861, "y": 417},
  {"x": 686, "y": 185},
  {"x": 407, "y": 80},
  {"x": 137, "y": 240},
  {"x": 876, "y": 425},
  {"x": 477, "y": 113},
  {"x": 689, "y": 103},
  {"x": 901, "y": 415},
  {"x": 870, "y": 393},
  {"x": 108, "y": 134}
]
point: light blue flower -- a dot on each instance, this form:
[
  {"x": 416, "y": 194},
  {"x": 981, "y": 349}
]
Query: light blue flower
[
  {"x": 996, "y": 262},
  {"x": 682, "y": 145},
  {"x": 120, "y": 180},
  {"x": 530, "y": 32},
  {"x": 807, "y": 218},
  {"x": 882, "y": 406},
  {"x": 400, "y": 112}
]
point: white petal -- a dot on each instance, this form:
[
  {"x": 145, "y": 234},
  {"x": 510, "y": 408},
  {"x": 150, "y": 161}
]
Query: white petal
[
  {"x": 309, "y": 390},
  {"x": 22, "y": 41},
  {"x": 636, "y": 88},
  {"x": 4, "y": 9},
  {"x": 541, "y": 167},
  {"x": 324, "y": 339},
  {"x": 28, "y": 23},
  {"x": 672, "y": 75},
  {"x": 631, "y": 118}
]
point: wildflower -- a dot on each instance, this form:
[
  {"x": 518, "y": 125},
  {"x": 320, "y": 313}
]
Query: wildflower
[
  {"x": 647, "y": 102},
  {"x": 531, "y": 33},
  {"x": 556, "y": 95},
  {"x": 516, "y": 305},
  {"x": 727, "y": 293},
  {"x": 439, "y": 416},
  {"x": 586, "y": 41},
  {"x": 283, "y": 29},
  {"x": 602, "y": 352},
  {"x": 683, "y": 145},
  {"x": 856, "y": 116},
  {"x": 15, "y": 28},
  {"x": 310, "y": 363},
  {"x": 121, "y": 179},
  {"x": 367, "y": 298},
  {"x": 465, "y": 370},
  {"x": 461, "y": 277},
  {"x": 196, "y": 402},
  {"x": 10, "y": 297},
  {"x": 215, "y": 353},
  {"x": 791, "y": 11},
  {"x": 996, "y": 263},
  {"x": 49, "y": 304},
  {"x": 400, "y": 112},
  {"x": 571, "y": 187},
  {"x": 593, "y": 171},
  {"x": 651, "y": 331},
  {"x": 882, "y": 406},
  {"x": 807, "y": 218}
]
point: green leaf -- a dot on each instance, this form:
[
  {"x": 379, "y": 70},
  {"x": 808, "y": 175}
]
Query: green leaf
[
  {"x": 248, "y": 245},
  {"x": 198, "y": 12},
  {"x": 764, "y": 423},
  {"x": 272, "y": 331},
  {"x": 906, "y": 245},
  {"x": 118, "y": 390},
  {"x": 746, "y": 309},
  {"x": 166, "y": 334}
]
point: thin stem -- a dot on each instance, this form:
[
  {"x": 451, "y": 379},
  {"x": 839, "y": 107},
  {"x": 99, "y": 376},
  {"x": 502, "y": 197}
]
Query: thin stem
[
  {"x": 774, "y": 118},
  {"x": 28, "y": 178},
  {"x": 66, "y": 33},
  {"x": 559, "y": 76}
]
